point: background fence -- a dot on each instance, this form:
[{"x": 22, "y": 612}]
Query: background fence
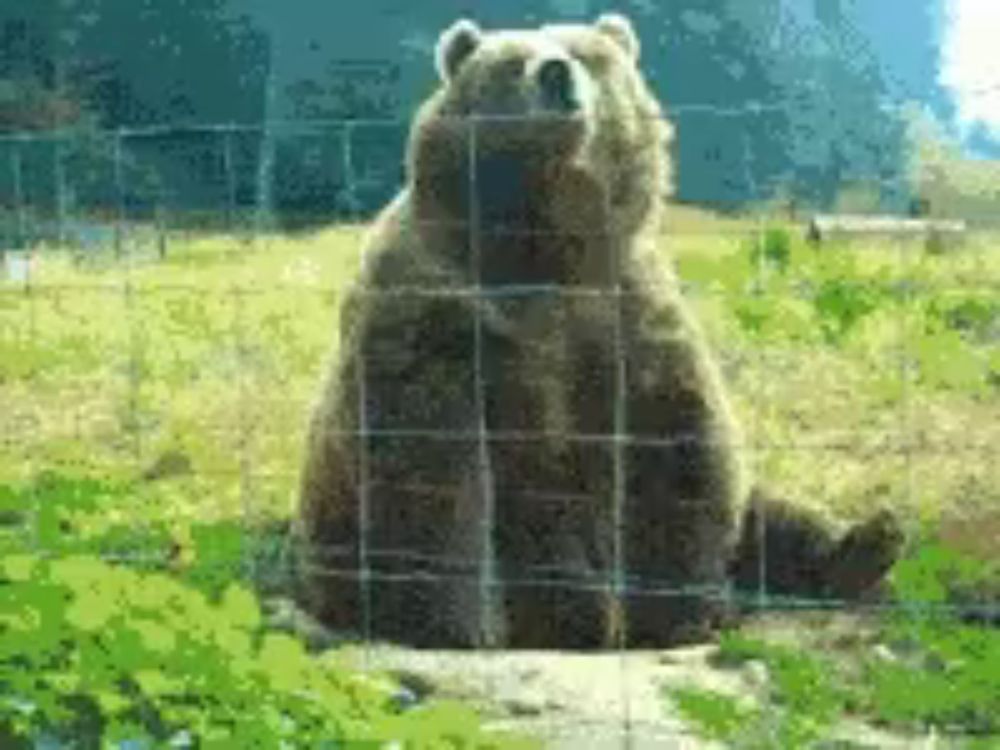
[{"x": 75, "y": 185}]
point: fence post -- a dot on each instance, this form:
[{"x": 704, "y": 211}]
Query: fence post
[
  {"x": 119, "y": 192},
  {"x": 59, "y": 176},
  {"x": 161, "y": 235},
  {"x": 347, "y": 158},
  {"x": 227, "y": 158},
  {"x": 265, "y": 158},
  {"x": 15, "y": 165}
]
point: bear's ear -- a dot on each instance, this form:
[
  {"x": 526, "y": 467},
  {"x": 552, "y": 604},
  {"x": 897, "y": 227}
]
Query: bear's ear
[
  {"x": 457, "y": 42},
  {"x": 619, "y": 29}
]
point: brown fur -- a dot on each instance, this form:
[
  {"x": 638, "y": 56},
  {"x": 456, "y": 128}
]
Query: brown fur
[
  {"x": 570, "y": 205},
  {"x": 805, "y": 558}
]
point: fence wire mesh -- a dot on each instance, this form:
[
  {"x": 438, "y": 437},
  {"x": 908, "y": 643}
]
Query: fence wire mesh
[{"x": 118, "y": 201}]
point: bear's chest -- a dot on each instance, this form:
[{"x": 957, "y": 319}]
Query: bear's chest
[{"x": 521, "y": 233}]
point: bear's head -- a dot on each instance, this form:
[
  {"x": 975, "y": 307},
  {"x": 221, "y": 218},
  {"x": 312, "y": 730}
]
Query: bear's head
[{"x": 519, "y": 113}]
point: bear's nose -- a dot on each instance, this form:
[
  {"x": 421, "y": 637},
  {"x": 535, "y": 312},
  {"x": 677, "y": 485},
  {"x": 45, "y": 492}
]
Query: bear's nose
[{"x": 555, "y": 81}]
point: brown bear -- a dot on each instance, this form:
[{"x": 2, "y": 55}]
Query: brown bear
[
  {"x": 524, "y": 441},
  {"x": 804, "y": 558}
]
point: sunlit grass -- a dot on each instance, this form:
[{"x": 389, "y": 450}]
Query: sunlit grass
[
  {"x": 838, "y": 358},
  {"x": 215, "y": 352},
  {"x": 865, "y": 374}
]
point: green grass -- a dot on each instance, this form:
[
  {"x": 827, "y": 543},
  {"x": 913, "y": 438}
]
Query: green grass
[
  {"x": 96, "y": 655},
  {"x": 816, "y": 342},
  {"x": 940, "y": 674},
  {"x": 198, "y": 370},
  {"x": 216, "y": 353},
  {"x": 836, "y": 357}
]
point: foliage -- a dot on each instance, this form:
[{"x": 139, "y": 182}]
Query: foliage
[
  {"x": 778, "y": 289},
  {"x": 221, "y": 61},
  {"x": 719, "y": 717},
  {"x": 946, "y": 674},
  {"x": 773, "y": 247},
  {"x": 806, "y": 696},
  {"x": 108, "y": 369},
  {"x": 952, "y": 675},
  {"x": 102, "y": 654}
]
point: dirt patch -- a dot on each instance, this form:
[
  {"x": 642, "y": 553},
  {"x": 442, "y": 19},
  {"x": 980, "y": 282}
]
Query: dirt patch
[
  {"x": 610, "y": 700},
  {"x": 571, "y": 700}
]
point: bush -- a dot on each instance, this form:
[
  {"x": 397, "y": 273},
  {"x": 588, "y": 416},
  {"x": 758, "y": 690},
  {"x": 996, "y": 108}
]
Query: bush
[
  {"x": 807, "y": 694},
  {"x": 773, "y": 248},
  {"x": 94, "y": 655},
  {"x": 946, "y": 674}
]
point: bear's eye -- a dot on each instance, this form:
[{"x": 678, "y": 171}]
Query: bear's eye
[{"x": 511, "y": 68}]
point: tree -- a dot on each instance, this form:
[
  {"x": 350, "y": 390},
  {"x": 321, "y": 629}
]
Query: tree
[{"x": 34, "y": 94}]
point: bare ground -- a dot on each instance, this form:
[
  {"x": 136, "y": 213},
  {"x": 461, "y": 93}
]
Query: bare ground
[{"x": 613, "y": 700}]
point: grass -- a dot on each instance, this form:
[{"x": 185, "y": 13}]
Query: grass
[
  {"x": 918, "y": 672},
  {"x": 838, "y": 357},
  {"x": 98, "y": 655},
  {"x": 216, "y": 353},
  {"x": 149, "y": 412},
  {"x": 864, "y": 375}
]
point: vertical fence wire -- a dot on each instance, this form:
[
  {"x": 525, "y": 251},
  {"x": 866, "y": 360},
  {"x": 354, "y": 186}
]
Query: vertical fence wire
[
  {"x": 119, "y": 179},
  {"x": 906, "y": 370},
  {"x": 485, "y": 569},
  {"x": 265, "y": 175},
  {"x": 753, "y": 444},
  {"x": 244, "y": 431},
  {"x": 242, "y": 362},
  {"x": 32, "y": 301},
  {"x": 230, "y": 175},
  {"x": 619, "y": 445},
  {"x": 364, "y": 575},
  {"x": 16, "y": 169},
  {"x": 59, "y": 184},
  {"x": 134, "y": 365}
]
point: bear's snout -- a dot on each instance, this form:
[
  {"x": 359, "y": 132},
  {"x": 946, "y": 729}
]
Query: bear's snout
[{"x": 557, "y": 85}]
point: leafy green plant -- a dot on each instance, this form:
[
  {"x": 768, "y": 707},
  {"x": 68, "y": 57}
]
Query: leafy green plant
[
  {"x": 806, "y": 695},
  {"x": 102, "y": 654},
  {"x": 718, "y": 717},
  {"x": 977, "y": 314},
  {"x": 951, "y": 677},
  {"x": 946, "y": 676},
  {"x": 51, "y": 512},
  {"x": 773, "y": 248},
  {"x": 787, "y": 290},
  {"x": 224, "y": 378},
  {"x": 840, "y": 305}
]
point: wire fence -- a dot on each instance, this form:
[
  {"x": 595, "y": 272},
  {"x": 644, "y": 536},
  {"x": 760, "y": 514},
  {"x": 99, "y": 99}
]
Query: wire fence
[
  {"x": 135, "y": 217},
  {"x": 91, "y": 188}
]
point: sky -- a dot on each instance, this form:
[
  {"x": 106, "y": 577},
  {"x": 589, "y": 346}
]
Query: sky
[{"x": 971, "y": 62}]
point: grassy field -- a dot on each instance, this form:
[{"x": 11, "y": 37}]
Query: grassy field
[
  {"x": 157, "y": 407},
  {"x": 863, "y": 375}
]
